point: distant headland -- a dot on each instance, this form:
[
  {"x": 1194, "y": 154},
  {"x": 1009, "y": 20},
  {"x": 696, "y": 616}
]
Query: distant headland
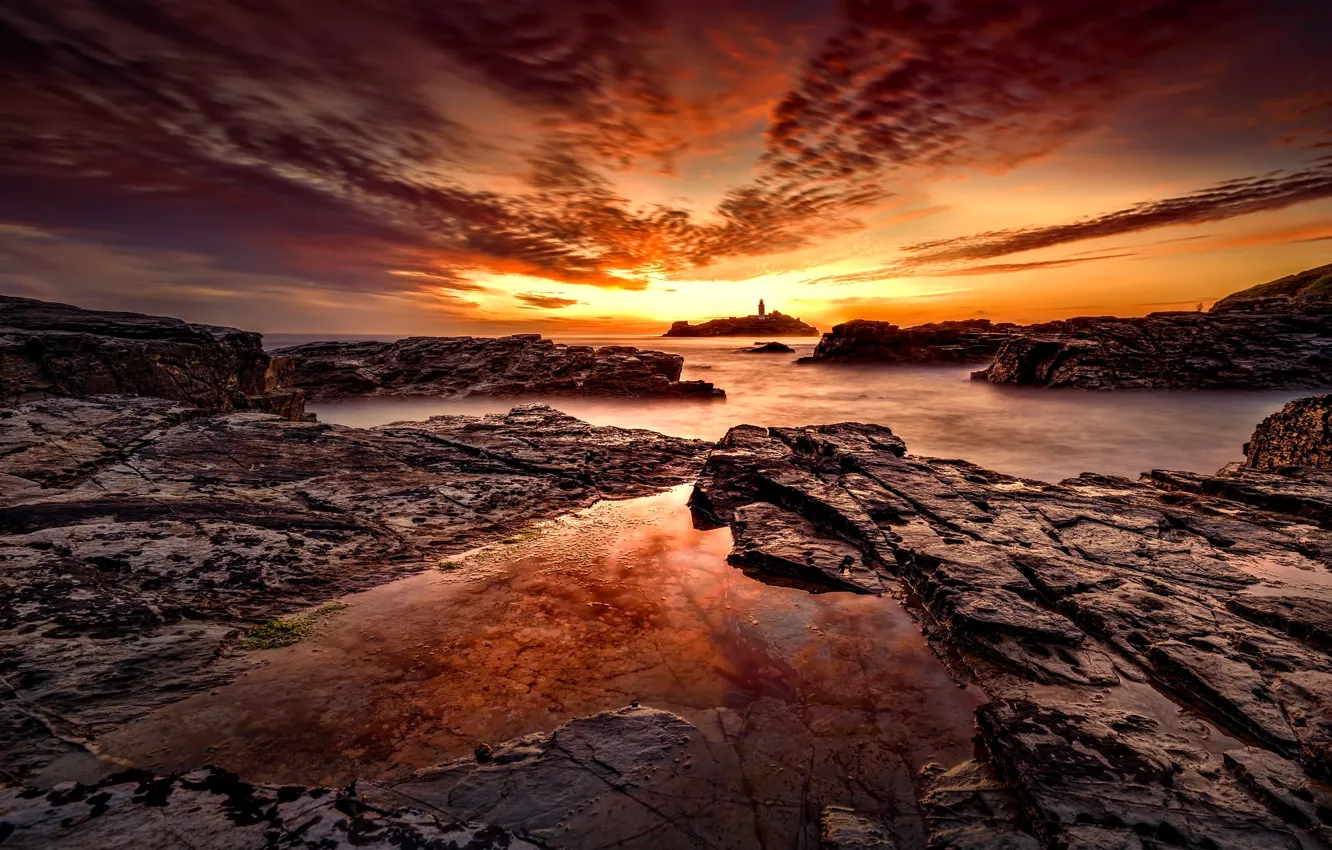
[{"x": 775, "y": 323}]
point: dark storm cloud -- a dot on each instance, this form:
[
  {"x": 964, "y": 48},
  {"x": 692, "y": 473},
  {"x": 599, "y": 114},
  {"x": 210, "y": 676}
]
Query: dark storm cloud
[{"x": 1223, "y": 201}]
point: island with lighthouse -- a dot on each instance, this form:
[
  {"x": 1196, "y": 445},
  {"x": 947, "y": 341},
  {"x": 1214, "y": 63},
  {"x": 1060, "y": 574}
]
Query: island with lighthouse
[{"x": 762, "y": 323}]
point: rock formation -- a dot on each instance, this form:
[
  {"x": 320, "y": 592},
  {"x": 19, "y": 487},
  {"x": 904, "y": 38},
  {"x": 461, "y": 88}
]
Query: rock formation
[
  {"x": 55, "y": 350},
  {"x": 861, "y": 340},
  {"x": 775, "y": 323},
  {"x": 139, "y": 536},
  {"x": 504, "y": 366},
  {"x": 1278, "y": 334},
  {"x": 1110, "y": 622},
  {"x": 1300, "y": 434},
  {"x": 768, "y": 348}
]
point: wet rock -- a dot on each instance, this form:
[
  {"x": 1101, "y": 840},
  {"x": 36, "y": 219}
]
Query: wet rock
[
  {"x": 1286, "y": 789},
  {"x": 1305, "y": 617},
  {"x": 503, "y": 366},
  {"x": 862, "y": 340},
  {"x": 55, "y": 350},
  {"x": 773, "y": 541},
  {"x": 969, "y": 808},
  {"x": 1300, "y": 434},
  {"x": 216, "y": 809},
  {"x": 775, "y": 323},
  {"x": 843, "y": 829},
  {"x": 1044, "y": 594},
  {"x": 768, "y": 348},
  {"x": 140, "y": 538},
  {"x": 1103, "y": 778},
  {"x": 1273, "y": 335},
  {"x": 636, "y": 776}
]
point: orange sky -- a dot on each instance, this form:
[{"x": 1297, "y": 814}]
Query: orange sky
[{"x": 601, "y": 166}]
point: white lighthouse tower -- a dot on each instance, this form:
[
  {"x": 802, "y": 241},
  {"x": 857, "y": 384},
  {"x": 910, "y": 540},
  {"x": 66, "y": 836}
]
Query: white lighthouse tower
[{"x": 761, "y": 311}]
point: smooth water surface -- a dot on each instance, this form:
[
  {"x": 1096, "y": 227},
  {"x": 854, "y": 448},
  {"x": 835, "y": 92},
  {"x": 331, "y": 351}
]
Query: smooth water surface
[
  {"x": 817, "y": 698},
  {"x": 1031, "y": 432}
]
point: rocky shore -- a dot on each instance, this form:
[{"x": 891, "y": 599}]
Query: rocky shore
[
  {"x": 504, "y": 366},
  {"x": 1154, "y": 653},
  {"x": 775, "y": 323},
  {"x": 865, "y": 341},
  {"x": 1277, "y": 334}
]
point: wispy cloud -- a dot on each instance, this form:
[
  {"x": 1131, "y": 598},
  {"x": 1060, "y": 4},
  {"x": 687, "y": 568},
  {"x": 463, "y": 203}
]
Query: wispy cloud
[{"x": 545, "y": 302}]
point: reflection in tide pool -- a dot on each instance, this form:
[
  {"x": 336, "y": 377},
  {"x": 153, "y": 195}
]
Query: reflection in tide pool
[
  {"x": 938, "y": 410},
  {"x": 823, "y": 699}
]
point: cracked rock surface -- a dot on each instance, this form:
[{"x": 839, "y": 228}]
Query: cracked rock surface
[
  {"x": 1130, "y": 634},
  {"x": 503, "y": 366},
  {"x": 139, "y": 538}
]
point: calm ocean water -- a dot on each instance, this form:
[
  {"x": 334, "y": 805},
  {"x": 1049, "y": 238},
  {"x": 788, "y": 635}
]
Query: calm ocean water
[{"x": 938, "y": 410}]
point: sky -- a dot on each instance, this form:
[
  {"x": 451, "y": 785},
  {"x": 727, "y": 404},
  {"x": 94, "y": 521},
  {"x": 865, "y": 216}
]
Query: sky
[{"x": 589, "y": 167}]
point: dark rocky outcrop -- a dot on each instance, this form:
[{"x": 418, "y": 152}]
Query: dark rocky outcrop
[
  {"x": 768, "y": 348},
  {"x": 55, "y": 350},
  {"x": 139, "y": 537},
  {"x": 1300, "y": 434},
  {"x": 775, "y": 323},
  {"x": 1133, "y": 636},
  {"x": 1277, "y": 334},
  {"x": 503, "y": 366},
  {"x": 862, "y": 340}
]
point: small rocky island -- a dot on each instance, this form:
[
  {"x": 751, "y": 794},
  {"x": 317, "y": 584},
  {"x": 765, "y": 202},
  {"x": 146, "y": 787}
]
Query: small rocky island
[{"x": 762, "y": 323}]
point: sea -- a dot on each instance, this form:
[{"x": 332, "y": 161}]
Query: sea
[{"x": 1030, "y": 432}]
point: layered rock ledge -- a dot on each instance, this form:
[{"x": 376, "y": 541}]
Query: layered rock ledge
[
  {"x": 775, "y": 323},
  {"x": 504, "y": 366},
  {"x": 1155, "y": 651},
  {"x": 55, "y": 350},
  {"x": 1277, "y": 334},
  {"x": 140, "y": 537},
  {"x": 862, "y": 340}
]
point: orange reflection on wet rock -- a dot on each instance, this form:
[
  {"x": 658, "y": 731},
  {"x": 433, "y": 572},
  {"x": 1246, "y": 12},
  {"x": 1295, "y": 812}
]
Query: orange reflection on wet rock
[{"x": 625, "y": 601}]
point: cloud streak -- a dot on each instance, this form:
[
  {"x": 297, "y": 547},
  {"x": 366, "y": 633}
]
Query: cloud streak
[{"x": 1227, "y": 200}]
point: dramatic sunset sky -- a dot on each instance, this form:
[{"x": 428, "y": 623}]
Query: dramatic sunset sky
[{"x": 600, "y": 166}]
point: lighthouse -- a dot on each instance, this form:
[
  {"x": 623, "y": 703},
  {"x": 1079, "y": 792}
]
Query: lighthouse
[{"x": 761, "y": 312}]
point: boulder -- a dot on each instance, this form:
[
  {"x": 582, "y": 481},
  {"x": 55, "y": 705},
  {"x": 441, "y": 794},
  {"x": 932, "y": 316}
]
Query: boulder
[
  {"x": 1300, "y": 434},
  {"x": 768, "y": 348}
]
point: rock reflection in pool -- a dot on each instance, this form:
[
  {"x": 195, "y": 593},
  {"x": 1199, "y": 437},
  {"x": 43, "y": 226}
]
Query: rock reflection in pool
[{"x": 825, "y": 698}]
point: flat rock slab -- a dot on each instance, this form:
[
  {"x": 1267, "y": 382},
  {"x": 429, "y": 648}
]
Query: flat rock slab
[{"x": 140, "y": 539}]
